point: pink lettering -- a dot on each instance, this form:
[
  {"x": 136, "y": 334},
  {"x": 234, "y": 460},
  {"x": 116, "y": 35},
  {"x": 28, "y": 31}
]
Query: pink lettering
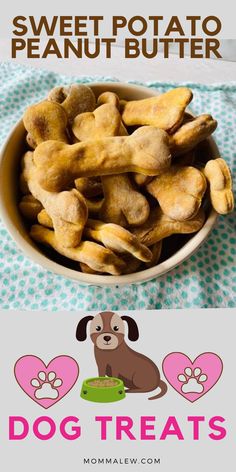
[
  {"x": 103, "y": 420},
  {"x": 196, "y": 420},
  {"x": 147, "y": 427},
  {"x": 25, "y": 428},
  {"x": 40, "y": 420},
  {"x": 124, "y": 425},
  {"x": 171, "y": 429},
  {"x": 215, "y": 427},
  {"x": 76, "y": 429}
]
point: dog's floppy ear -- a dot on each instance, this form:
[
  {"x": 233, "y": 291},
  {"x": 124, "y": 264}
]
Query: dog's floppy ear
[
  {"x": 81, "y": 331},
  {"x": 133, "y": 333}
]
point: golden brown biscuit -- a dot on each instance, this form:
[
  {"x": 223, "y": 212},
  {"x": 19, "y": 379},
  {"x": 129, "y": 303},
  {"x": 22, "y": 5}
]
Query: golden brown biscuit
[
  {"x": 44, "y": 121},
  {"x": 190, "y": 134},
  {"x": 118, "y": 191},
  {"x": 75, "y": 99},
  {"x": 165, "y": 111},
  {"x": 109, "y": 97},
  {"x": 105, "y": 121},
  {"x": 132, "y": 265},
  {"x": 113, "y": 99},
  {"x": 160, "y": 226},
  {"x": 179, "y": 191},
  {"x": 122, "y": 204},
  {"x": 96, "y": 256},
  {"x": 68, "y": 209},
  {"x": 218, "y": 175},
  {"x": 117, "y": 238},
  {"x": 59, "y": 164}
]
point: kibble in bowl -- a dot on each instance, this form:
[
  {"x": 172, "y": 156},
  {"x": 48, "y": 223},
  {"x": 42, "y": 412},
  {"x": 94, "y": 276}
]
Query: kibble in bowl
[{"x": 103, "y": 383}]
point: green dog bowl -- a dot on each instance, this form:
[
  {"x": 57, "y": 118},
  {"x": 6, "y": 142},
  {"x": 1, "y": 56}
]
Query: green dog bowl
[{"x": 103, "y": 389}]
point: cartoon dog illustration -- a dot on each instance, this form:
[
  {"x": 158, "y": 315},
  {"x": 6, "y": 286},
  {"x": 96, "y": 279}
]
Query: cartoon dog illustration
[{"x": 115, "y": 358}]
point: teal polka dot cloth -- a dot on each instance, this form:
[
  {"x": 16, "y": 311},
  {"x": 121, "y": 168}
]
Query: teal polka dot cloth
[{"x": 207, "y": 279}]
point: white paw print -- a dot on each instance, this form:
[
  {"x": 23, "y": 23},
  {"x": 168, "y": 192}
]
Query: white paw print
[
  {"x": 193, "y": 380},
  {"x": 46, "y": 385}
]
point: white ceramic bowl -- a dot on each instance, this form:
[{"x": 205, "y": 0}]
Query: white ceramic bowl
[{"x": 9, "y": 196}]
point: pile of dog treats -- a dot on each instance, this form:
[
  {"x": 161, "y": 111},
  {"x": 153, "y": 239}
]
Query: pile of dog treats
[{"x": 105, "y": 181}]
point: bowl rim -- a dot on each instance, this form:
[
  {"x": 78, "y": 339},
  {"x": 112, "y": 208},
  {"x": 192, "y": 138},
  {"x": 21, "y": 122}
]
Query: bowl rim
[{"x": 34, "y": 253}]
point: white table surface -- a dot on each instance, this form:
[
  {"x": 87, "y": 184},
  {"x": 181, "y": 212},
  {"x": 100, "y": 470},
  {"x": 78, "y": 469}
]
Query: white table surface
[{"x": 141, "y": 69}]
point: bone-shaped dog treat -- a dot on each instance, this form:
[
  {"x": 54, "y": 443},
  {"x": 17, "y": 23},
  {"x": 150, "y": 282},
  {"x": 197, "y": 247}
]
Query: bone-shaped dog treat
[
  {"x": 165, "y": 111},
  {"x": 145, "y": 151},
  {"x": 67, "y": 209},
  {"x": 74, "y": 99},
  {"x": 97, "y": 257},
  {"x": 179, "y": 191},
  {"x": 191, "y": 133},
  {"x": 132, "y": 265},
  {"x": 122, "y": 204},
  {"x": 46, "y": 120},
  {"x": 30, "y": 207},
  {"x": 105, "y": 121},
  {"x": 160, "y": 226},
  {"x": 218, "y": 175},
  {"x": 113, "y": 99},
  {"x": 189, "y": 157},
  {"x": 140, "y": 179},
  {"x": 117, "y": 238}
]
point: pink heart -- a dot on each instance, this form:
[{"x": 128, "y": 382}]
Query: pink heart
[
  {"x": 192, "y": 379},
  {"x": 46, "y": 384}
]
